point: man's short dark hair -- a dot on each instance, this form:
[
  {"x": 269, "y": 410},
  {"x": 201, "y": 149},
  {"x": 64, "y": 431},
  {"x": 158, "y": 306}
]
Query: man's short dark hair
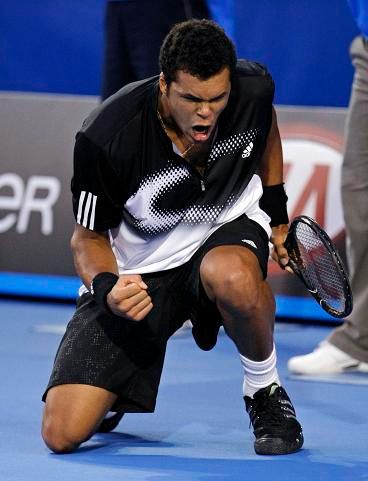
[{"x": 198, "y": 47}]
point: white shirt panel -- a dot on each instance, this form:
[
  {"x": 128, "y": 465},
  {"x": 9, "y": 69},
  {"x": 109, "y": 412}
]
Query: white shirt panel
[{"x": 169, "y": 250}]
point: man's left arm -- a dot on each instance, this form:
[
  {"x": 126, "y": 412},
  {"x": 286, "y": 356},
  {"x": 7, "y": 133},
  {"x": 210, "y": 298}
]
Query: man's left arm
[{"x": 274, "y": 199}]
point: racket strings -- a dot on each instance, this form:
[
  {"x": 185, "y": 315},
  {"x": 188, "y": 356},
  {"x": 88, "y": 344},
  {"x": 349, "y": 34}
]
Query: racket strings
[{"x": 320, "y": 268}]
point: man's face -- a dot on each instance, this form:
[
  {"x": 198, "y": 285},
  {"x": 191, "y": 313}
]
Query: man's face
[{"x": 194, "y": 104}]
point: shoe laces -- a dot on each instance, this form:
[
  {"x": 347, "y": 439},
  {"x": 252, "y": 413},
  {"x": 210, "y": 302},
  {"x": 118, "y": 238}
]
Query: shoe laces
[{"x": 270, "y": 407}]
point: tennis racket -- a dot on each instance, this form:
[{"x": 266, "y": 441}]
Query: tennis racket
[{"x": 315, "y": 260}]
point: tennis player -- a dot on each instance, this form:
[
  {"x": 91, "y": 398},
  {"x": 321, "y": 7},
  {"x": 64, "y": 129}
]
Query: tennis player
[{"x": 177, "y": 190}]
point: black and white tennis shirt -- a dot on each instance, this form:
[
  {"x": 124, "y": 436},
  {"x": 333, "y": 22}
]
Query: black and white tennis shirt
[{"x": 158, "y": 210}]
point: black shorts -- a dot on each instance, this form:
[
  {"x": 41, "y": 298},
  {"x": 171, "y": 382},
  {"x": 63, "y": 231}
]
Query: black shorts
[{"x": 126, "y": 357}]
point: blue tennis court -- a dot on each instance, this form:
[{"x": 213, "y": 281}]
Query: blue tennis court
[{"x": 199, "y": 431}]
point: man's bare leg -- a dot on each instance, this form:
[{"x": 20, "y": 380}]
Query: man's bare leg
[
  {"x": 72, "y": 414},
  {"x": 232, "y": 278}
]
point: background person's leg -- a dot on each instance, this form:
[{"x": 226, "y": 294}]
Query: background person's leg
[
  {"x": 134, "y": 32},
  {"x": 352, "y": 336},
  {"x": 117, "y": 67},
  {"x": 346, "y": 348}
]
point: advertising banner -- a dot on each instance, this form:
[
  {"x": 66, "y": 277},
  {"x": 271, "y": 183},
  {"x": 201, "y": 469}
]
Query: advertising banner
[
  {"x": 36, "y": 148},
  {"x": 312, "y": 141},
  {"x": 36, "y": 221}
]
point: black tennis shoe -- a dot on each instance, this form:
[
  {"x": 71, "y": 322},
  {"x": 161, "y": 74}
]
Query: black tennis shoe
[
  {"x": 110, "y": 423},
  {"x": 275, "y": 426}
]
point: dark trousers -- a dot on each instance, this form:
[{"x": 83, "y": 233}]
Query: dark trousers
[
  {"x": 352, "y": 336},
  {"x": 134, "y": 31}
]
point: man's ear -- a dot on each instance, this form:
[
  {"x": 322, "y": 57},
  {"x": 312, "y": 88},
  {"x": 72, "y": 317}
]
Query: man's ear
[{"x": 162, "y": 84}]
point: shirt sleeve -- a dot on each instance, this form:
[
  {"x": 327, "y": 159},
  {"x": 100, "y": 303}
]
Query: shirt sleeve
[{"x": 96, "y": 187}]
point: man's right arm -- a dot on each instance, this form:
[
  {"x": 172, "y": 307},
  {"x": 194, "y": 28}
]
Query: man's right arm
[{"x": 93, "y": 255}]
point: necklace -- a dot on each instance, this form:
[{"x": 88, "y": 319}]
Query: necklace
[{"x": 163, "y": 125}]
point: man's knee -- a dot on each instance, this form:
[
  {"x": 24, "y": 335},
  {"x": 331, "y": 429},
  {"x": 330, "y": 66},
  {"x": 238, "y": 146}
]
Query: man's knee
[
  {"x": 64, "y": 429},
  {"x": 231, "y": 278},
  {"x": 58, "y": 437},
  {"x": 72, "y": 414}
]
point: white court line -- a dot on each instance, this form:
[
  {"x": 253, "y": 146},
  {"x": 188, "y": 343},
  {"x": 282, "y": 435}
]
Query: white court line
[
  {"x": 60, "y": 329},
  {"x": 49, "y": 328}
]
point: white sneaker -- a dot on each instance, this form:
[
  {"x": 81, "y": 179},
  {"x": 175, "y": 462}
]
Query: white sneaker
[{"x": 325, "y": 359}]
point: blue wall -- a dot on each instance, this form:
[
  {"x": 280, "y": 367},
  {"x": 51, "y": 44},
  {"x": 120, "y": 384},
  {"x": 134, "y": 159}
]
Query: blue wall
[
  {"x": 56, "y": 46},
  {"x": 51, "y": 45},
  {"x": 305, "y": 45}
]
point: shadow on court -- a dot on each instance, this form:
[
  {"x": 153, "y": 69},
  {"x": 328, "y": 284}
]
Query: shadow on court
[{"x": 152, "y": 467}]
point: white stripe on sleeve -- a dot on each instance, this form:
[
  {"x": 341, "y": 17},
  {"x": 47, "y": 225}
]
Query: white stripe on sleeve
[
  {"x": 92, "y": 219},
  {"x": 80, "y": 206},
  {"x": 86, "y": 209}
]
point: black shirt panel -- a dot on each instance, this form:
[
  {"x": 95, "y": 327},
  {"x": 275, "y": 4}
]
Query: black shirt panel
[
  {"x": 115, "y": 113},
  {"x": 94, "y": 174},
  {"x": 245, "y": 121},
  {"x": 124, "y": 157}
]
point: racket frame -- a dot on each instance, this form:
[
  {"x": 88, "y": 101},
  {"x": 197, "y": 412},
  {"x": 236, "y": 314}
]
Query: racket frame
[{"x": 291, "y": 244}]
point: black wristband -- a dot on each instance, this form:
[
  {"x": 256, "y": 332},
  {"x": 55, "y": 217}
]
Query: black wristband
[
  {"x": 273, "y": 202},
  {"x": 101, "y": 285}
]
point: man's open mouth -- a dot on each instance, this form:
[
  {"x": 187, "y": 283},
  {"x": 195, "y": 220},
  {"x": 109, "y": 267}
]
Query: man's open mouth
[
  {"x": 201, "y": 132},
  {"x": 201, "y": 128}
]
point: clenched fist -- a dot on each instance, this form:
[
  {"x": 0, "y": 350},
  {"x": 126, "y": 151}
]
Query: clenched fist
[{"x": 129, "y": 298}]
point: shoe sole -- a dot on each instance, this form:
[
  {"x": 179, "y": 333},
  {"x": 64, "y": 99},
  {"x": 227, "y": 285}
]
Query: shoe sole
[
  {"x": 362, "y": 367},
  {"x": 110, "y": 424},
  {"x": 336, "y": 368},
  {"x": 277, "y": 446}
]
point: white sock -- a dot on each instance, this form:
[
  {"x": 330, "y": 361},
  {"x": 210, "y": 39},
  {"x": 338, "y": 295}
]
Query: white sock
[
  {"x": 258, "y": 375},
  {"x": 109, "y": 414}
]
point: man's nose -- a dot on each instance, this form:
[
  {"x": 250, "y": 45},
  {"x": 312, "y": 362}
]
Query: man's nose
[{"x": 204, "y": 110}]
